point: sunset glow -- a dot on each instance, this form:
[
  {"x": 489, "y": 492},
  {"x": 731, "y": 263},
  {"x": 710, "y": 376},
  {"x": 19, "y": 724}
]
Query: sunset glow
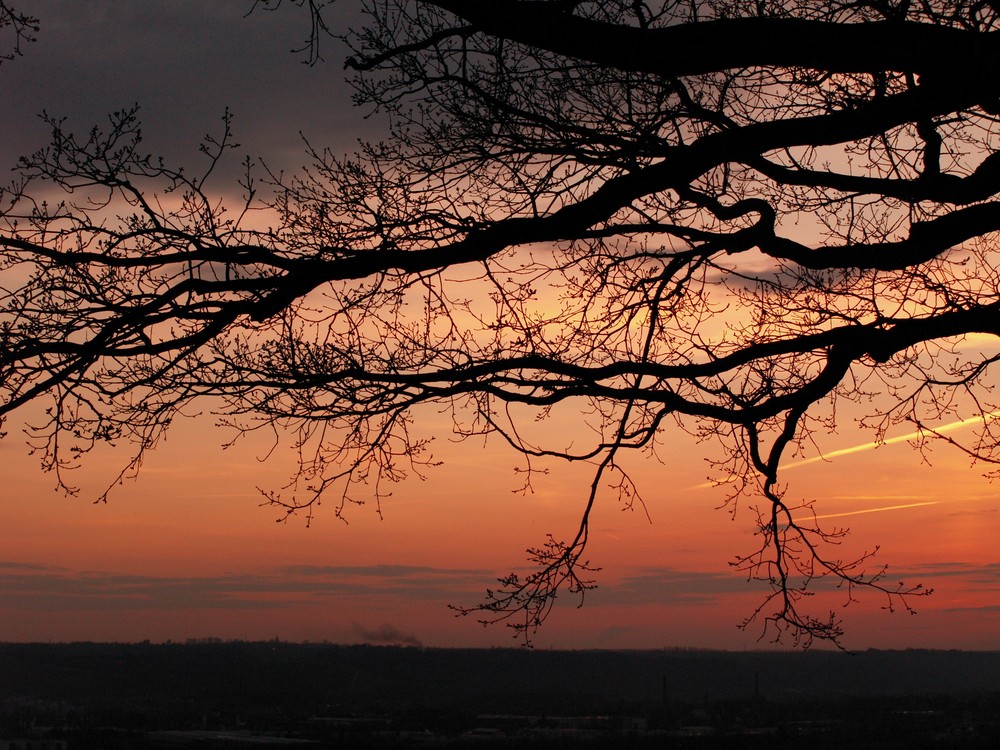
[{"x": 191, "y": 549}]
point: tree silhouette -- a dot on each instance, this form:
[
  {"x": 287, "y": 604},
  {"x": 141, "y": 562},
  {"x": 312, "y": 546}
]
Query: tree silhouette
[
  {"x": 19, "y": 26},
  {"x": 724, "y": 218}
]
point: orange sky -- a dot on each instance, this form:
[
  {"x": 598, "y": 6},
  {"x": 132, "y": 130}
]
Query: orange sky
[{"x": 187, "y": 551}]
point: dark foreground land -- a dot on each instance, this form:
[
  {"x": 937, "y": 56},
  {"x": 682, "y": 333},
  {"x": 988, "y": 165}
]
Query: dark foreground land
[{"x": 263, "y": 695}]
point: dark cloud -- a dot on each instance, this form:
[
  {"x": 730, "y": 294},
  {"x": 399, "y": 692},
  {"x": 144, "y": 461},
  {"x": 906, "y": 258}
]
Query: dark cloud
[
  {"x": 661, "y": 585},
  {"x": 38, "y": 587},
  {"x": 987, "y": 574},
  {"x": 658, "y": 585},
  {"x": 378, "y": 571},
  {"x": 183, "y": 63},
  {"x": 401, "y": 581},
  {"x": 986, "y": 609},
  {"x": 974, "y": 512},
  {"x": 387, "y": 635},
  {"x": 10, "y": 565}
]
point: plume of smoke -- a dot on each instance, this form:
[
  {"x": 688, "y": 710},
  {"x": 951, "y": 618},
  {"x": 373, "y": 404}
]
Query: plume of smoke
[{"x": 386, "y": 634}]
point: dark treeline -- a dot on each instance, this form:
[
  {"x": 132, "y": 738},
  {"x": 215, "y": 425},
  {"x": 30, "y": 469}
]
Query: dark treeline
[
  {"x": 232, "y": 695},
  {"x": 321, "y": 677}
]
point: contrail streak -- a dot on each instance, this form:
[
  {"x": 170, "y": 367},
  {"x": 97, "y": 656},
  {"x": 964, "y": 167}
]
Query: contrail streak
[
  {"x": 877, "y": 510},
  {"x": 916, "y": 434}
]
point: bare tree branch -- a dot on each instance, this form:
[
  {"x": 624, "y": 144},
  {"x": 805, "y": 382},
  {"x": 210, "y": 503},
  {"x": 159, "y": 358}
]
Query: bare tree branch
[{"x": 711, "y": 218}]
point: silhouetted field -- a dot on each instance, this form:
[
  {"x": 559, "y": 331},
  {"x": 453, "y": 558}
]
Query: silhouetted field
[{"x": 251, "y": 694}]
